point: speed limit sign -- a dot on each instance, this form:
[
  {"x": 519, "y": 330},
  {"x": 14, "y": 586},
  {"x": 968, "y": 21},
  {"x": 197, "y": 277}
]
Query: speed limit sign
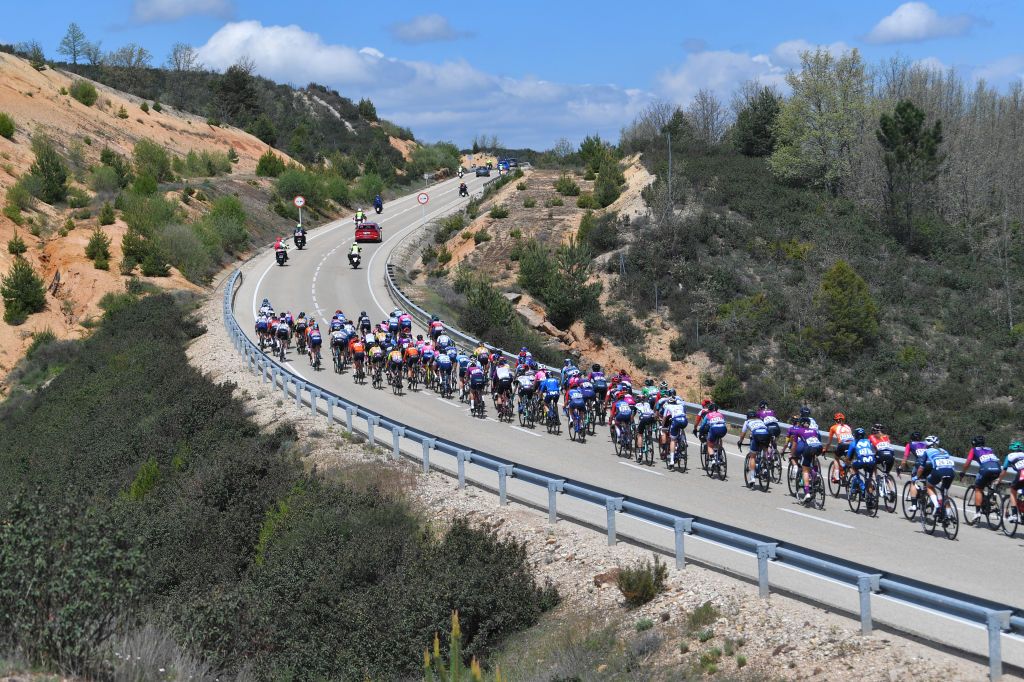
[
  {"x": 423, "y": 198},
  {"x": 300, "y": 201}
]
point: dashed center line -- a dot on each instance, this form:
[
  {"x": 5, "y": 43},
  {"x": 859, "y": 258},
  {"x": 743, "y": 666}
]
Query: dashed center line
[{"x": 640, "y": 468}]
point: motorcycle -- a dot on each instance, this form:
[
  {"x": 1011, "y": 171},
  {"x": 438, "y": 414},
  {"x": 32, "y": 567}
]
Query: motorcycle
[
  {"x": 379, "y": 208},
  {"x": 300, "y": 239},
  {"x": 281, "y": 256},
  {"x": 359, "y": 222},
  {"x": 463, "y": 191},
  {"x": 354, "y": 259},
  {"x": 461, "y": 174}
]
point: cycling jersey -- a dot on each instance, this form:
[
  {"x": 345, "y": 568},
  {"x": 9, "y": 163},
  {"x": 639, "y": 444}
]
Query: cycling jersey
[
  {"x": 759, "y": 434},
  {"x": 314, "y": 337},
  {"x": 808, "y": 444},
  {"x": 713, "y": 425},
  {"x": 644, "y": 412},
  {"x": 477, "y": 377},
  {"x": 411, "y": 354},
  {"x": 1014, "y": 462},
  {"x": 526, "y": 384},
  {"x": 587, "y": 387},
  {"x": 841, "y": 433},
  {"x": 576, "y": 399},
  {"x": 549, "y": 386},
  {"x": 262, "y": 323},
  {"x": 376, "y": 352},
  {"x": 622, "y": 410},
  {"x": 405, "y": 321},
  {"x": 357, "y": 348},
  {"x": 987, "y": 459},
  {"x": 282, "y": 330},
  {"x": 444, "y": 363},
  {"x": 443, "y": 341},
  {"x": 862, "y": 453},
  {"x": 395, "y": 357}
]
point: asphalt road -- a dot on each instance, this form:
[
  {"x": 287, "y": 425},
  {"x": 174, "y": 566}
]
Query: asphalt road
[{"x": 319, "y": 280}]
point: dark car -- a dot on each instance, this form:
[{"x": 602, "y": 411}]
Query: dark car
[
  {"x": 483, "y": 171},
  {"x": 369, "y": 232}
]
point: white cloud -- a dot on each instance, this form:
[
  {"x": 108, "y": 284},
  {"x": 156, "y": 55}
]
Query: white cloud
[
  {"x": 1001, "y": 71},
  {"x": 916, "y": 21},
  {"x": 933, "y": 63},
  {"x": 788, "y": 53},
  {"x": 148, "y": 11},
  {"x": 427, "y": 28},
  {"x": 720, "y": 71},
  {"x": 447, "y": 100}
]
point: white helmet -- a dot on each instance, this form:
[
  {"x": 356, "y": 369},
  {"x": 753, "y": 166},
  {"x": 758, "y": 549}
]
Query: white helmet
[{"x": 932, "y": 441}]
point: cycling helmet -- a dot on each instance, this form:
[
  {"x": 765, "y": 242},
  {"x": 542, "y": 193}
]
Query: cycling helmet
[
  {"x": 916, "y": 435},
  {"x": 877, "y": 428},
  {"x": 932, "y": 441},
  {"x": 523, "y": 349},
  {"x": 595, "y": 367},
  {"x": 338, "y": 312},
  {"x": 672, "y": 393},
  {"x": 806, "y": 421},
  {"x": 648, "y": 382},
  {"x": 705, "y": 402},
  {"x": 302, "y": 314},
  {"x": 434, "y": 318},
  {"x": 419, "y": 337},
  {"x": 805, "y": 411},
  {"x": 751, "y": 414},
  {"x": 712, "y": 407},
  {"x": 1016, "y": 446},
  {"x": 839, "y": 416},
  {"x": 363, "y": 314},
  {"x": 663, "y": 385},
  {"x": 763, "y": 404},
  {"x": 859, "y": 433},
  {"x": 567, "y": 363},
  {"x": 978, "y": 441}
]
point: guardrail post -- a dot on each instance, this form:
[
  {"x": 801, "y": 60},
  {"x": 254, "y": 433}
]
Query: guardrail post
[
  {"x": 682, "y": 528},
  {"x": 331, "y": 402},
  {"x": 396, "y": 435},
  {"x": 612, "y": 505},
  {"x": 350, "y": 412},
  {"x": 263, "y": 367},
  {"x": 427, "y": 443},
  {"x": 503, "y": 471},
  {"x": 765, "y": 551},
  {"x": 554, "y": 487},
  {"x": 298, "y": 392},
  {"x": 313, "y": 395},
  {"x": 997, "y": 622},
  {"x": 371, "y": 421},
  {"x": 284, "y": 385},
  {"x": 866, "y": 584},
  {"x": 462, "y": 456}
]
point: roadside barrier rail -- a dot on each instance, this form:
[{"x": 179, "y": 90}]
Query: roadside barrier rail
[{"x": 996, "y": 618}]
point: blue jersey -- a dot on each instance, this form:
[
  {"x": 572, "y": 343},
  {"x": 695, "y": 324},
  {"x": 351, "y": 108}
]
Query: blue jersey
[
  {"x": 463, "y": 361},
  {"x": 576, "y": 398},
  {"x": 1014, "y": 462},
  {"x": 938, "y": 459},
  {"x": 588, "y": 389},
  {"x": 862, "y": 451},
  {"x": 550, "y": 386},
  {"x": 623, "y": 409},
  {"x": 444, "y": 362}
]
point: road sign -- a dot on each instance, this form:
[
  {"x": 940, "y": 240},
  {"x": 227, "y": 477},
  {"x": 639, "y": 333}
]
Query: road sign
[
  {"x": 423, "y": 198},
  {"x": 300, "y": 201}
]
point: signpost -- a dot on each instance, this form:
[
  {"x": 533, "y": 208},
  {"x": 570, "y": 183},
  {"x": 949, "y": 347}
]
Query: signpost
[
  {"x": 423, "y": 198},
  {"x": 299, "y": 202}
]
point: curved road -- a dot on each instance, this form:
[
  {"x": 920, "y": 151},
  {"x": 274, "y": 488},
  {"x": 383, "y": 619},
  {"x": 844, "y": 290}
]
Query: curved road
[{"x": 319, "y": 280}]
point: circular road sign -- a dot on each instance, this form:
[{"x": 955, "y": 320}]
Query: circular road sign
[
  {"x": 423, "y": 198},
  {"x": 300, "y": 201}
]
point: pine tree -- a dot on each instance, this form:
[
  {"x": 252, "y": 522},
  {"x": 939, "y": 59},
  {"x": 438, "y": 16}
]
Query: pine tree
[
  {"x": 73, "y": 44},
  {"x": 848, "y": 311},
  {"x": 50, "y": 170},
  {"x": 22, "y": 291}
]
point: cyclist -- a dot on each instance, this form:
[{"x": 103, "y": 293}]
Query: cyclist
[
  {"x": 405, "y": 323},
  {"x": 576, "y": 404},
  {"x": 443, "y": 364},
  {"x": 357, "y": 350},
  {"x": 266, "y": 308},
  {"x": 767, "y": 415},
  {"x": 550, "y": 388},
  {"x": 436, "y": 327},
  {"x": 760, "y": 438},
  {"x": 569, "y": 370},
  {"x": 262, "y": 327},
  {"x": 463, "y": 361},
  {"x": 842, "y": 434},
  {"x": 988, "y": 468},
  {"x": 622, "y": 414},
  {"x": 283, "y": 332},
  {"x": 645, "y": 415},
  {"x": 365, "y": 325},
  {"x": 527, "y": 386},
  {"x": 1014, "y": 464},
  {"x": 597, "y": 377},
  {"x": 712, "y": 428},
  {"x": 394, "y": 364},
  {"x": 393, "y": 322},
  {"x": 915, "y": 446},
  {"x": 315, "y": 341},
  {"x": 503, "y": 382},
  {"x": 862, "y": 454},
  {"x": 338, "y": 340},
  {"x": 806, "y": 412},
  {"x": 700, "y": 417},
  {"x": 649, "y": 390},
  {"x": 937, "y": 469},
  {"x": 477, "y": 381},
  {"x": 376, "y": 355},
  {"x": 300, "y": 331},
  {"x": 482, "y": 355},
  {"x": 412, "y": 358},
  {"x": 883, "y": 447},
  {"x": 673, "y": 424},
  {"x": 806, "y": 448}
]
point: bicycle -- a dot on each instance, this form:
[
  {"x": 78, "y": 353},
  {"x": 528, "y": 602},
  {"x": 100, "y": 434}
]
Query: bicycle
[
  {"x": 413, "y": 378},
  {"x": 945, "y": 513},
  {"x": 283, "y": 346},
  {"x": 338, "y": 366},
  {"x": 679, "y": 458},
  {"x": 716, "y": 463},
  {"x": 525, "y": 410},
  {"x": 912, "y": 499},
  {"x": 359, "y": 376},
  {"x": 624, "y": 440},
  {"x": 444, "y": 381},
  {"x": 1009, "y": 516},
  {"x": 646, "y": 449},
  {"x": 774, "y": 462},
  {"x": 396, "y": 382},
  {"x": 885, "y": 486},
  {"x": 991, "y": 506},
  {"x": 762, "y": 470},
  {"x": 378, "y": 376},
  {"x": 860, "y": 493},
  {"x": 300, "y": 344},
  {"x": 505, "y": 407},
  {"x": 552, "y": 421},
  {"x": 578, "y": 426},
  {"x": 592, "y": 416},
  {"x": 314, "y": 359},
  {"x": 838, "y": 479},
  {"x": 478, "y": 406}
]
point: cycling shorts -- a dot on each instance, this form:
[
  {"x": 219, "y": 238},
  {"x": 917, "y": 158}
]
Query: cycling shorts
[
  {"x": 774, "y": 430},
  {"x": 261, "y": 326},
  {"x": 985, "y": 477},
  {"x": 943, "y": 477},
  {"x": 623, "y": 417},
  {"x": 1018, "y": 484},
  {"x": 283, "y": 333},
  {"x": 842, "y": 448},
  {"x": 677, "y": 429},
  {"x": 759, "y": 441},
  {"x": 646, "y": 419},
  {"x": 807, "y": 454},
  {"x": 477, "y": 380},
  {"x": 601, "y": 393},
  {"x": 505, "y": 385},
  {"x": 886, "y": 460},
  {"x": 578, "y": 404},
  {"x": 315, "y": 343},
  {"x": 551, "y": 397},
  {"x": 405, "y": 326},
  {"x": 395, "y": 363},
  {"x": 358, "y": 355},
  {"x": 717, "y": 432},
  {"x": 868, "y": 465}
]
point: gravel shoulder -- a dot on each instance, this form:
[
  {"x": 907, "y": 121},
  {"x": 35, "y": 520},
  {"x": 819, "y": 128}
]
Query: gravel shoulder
[{"x": 778, "y": 638}]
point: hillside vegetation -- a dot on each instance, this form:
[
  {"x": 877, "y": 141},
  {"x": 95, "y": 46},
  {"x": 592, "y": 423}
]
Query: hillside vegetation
[
  {"x": 158, "y": 506},
  {"x": 866, "y": 268}
]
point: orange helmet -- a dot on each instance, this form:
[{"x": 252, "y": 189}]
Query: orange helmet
[{"x": 839, "y": 416}]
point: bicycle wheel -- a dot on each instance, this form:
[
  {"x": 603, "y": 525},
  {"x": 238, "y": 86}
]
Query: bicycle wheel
[
  {"x": 972, "y": 513},
  {"x": 928, "y": 519},
  {"x": 871, "y": 500},
  {"x": 776, "y": 466},
  {"x": 991, "y": 512},
  {"x": 703, "y": 458},
  {"x": 751, "y": 458},
  {"x": 835, "y": 483},
  {"x": 909, "y": 501},
  {"x": 818, "y": 493},
  {"x": 572, "y": 430},
  {"x": 855, "y": 493},
  {"x": 887, "y": 496},
  {"x": 682, "y": 454},
  {"x": 582, "y": 429},
  {"x": 793, "y": 478},
  {"x": 764, "y": 475},
  {"x": 1010, "y": 517},
  {"x": 721, "y": 462},
  {"x": 950, "y": 518}
]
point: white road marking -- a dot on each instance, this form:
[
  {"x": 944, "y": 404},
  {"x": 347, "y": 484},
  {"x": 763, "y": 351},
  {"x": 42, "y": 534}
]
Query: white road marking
[
  {"x": 518, "y": 428},
  {"x": 815, "y": 518},
  {"x": 640, "y": 468},
  {"x": 446, "y": 402}
]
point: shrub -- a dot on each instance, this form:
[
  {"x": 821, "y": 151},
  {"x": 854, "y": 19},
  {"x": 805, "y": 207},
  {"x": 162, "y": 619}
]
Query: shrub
[
  {"x": 107, "y": 216},
  {"x": 98, "y": 246},
  {"x": 449, "y": 226},
  {"x": 369, "y": 186},
  {"x": 587, "y": 201},
  {"x": 589, "y": 175},
  {"x": 499, "y": 211},
  {"x": 81, "y": 214},
  {"x": 521, "y": 186},
  {"x": 154, "y": 264},
  {"x": 156, "y": 107},
  {"x": 152, "y": 159},
  {"x": 6, "y": 125},
  {"x": 120, "y": 165},
  {"x": 336, "y": 189},
  {"x": 127, "y": 266},
  {"x": 481, "y": 236},
  {"x": 66, "y": 228},
  {"x": 84, "y": 92},
  {"x": 232, "y": 154},
  {"x": 554, "y": 201},
  {"x": 14, "y": 214},
  {"x": 78, "y": 198},
  {"x": 202, "y": 164},
  {"x": 515, "y": 233},
  {"x": 444, "y": 256},
  {"x": 104, "y": 180},
  {"x": 23, "y": 292},
  {"x": 728, "y": 390},
  {"x": 16, "y": 245},
  {"x": 102, "y": 263},
  {"x": 701, "y": 617},
  {"x": 144, "y": 107},
  {"x": 644, "y": 624},
  {"x": 642, "y": 582},
  {"x": 566, "y": 186},
  {"x": 48, "y": 170},
  {"x": 20, "y": 194},
  {"x": 144, "y": 185},
  {"x": 39, "y": 339},
  {"x": 529, "y": 202},
  {"x": 121, "y": 113}
]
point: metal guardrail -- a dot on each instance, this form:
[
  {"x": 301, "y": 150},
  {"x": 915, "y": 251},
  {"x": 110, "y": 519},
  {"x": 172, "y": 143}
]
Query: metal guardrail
[{"x": 997, "y": 618}]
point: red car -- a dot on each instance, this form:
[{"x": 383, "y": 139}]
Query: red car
[{"x": 369, "y": 232}]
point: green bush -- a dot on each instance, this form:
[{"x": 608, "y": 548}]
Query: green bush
[
  {"x": 151, "y": 159},
  {"x": 642, "y": 582},
  {"x": 529, "y": 202},
  {"x": 13, "y": 213},
  {"x": 102, "y": 263},
  {"x": 554, "y": 201},
  {"x": 369, "y": 186},
  {"x": 107, "y": 216},
  {"x": 702, "y": 617},
  {"x": 121, "y": 113},
  {"x": 104, "y": 180},
  {"x": 481, "y": 236},
  {"x": 521, "y": 186},
  {"x": 154, "y": 264},
  {"x": 78, "y": 198},
  {"x": 98, "y": 245},
  {"x": 202, "y": 164},
  {"x": 566, "y": 186},
  {"x": 336, "y": 189},
  {"x": 66, "y": 228},
  {"x": 157, "y": 107},
  {"x": 144, "y": 107},
  {"x": 144, "y": 185},
  {"x": 269, "y": 165},
  {"x": 84, "y": 92},
  {"x": 449, "y": 226},
  {"x": 499, "y": 211},
  {"x": 16, "y": 245},
  {"x": 120, "y": 165},
  {"x": 587, "y": 201},
  {"x": 48, "y": 170},
  {"x": 6, "y": 125},
  {"x": 20, "y": 194},
  {"x": 23, "y": 292},
  {"x": 39, "y": 339},
  {"x": 294, "y": 182}
]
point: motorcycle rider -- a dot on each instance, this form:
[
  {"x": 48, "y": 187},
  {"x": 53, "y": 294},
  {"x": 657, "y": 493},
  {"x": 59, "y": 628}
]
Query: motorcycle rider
[
  {"x": 378, "y": 203},
  {"x": 299, "y": 233},
  {"x": 279, "y": 247},
  {"x": 463, "y": 190},
  {"x": 355, "y": 252},
  {"x": 360, "y": 216}
]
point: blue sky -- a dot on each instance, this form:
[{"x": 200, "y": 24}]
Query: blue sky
[{"x": 530, "y": 71}]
